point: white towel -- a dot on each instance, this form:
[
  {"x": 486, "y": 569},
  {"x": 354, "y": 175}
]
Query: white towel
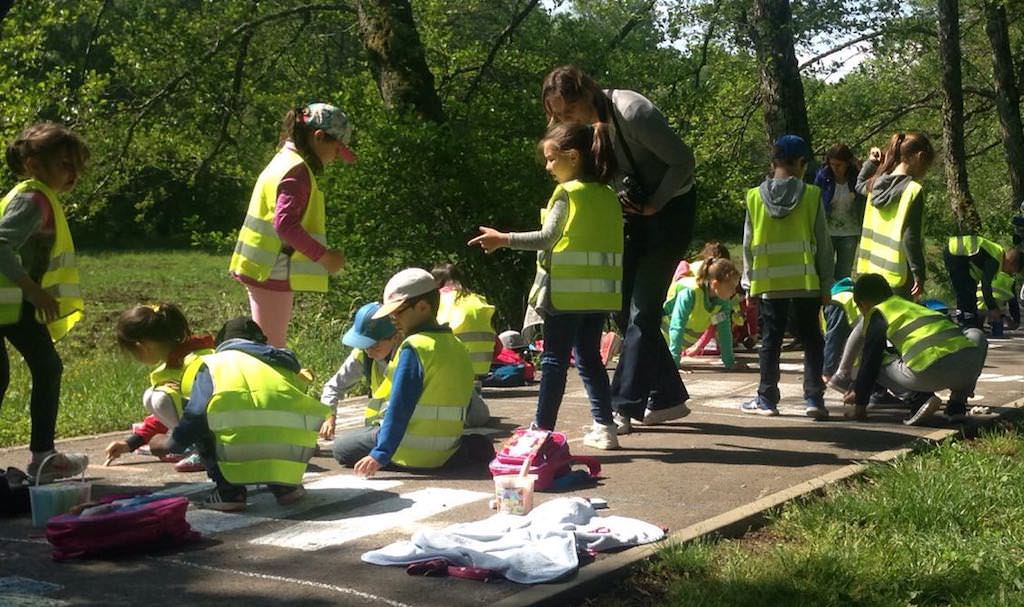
[{"x": 539, "y": 547}]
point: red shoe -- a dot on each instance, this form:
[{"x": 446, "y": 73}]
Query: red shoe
[{"x": 190, "y": 463}]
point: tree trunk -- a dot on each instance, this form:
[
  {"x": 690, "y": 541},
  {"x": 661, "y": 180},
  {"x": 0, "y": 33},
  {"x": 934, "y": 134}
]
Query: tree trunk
[
  {"x": 397, "y": 58},
  {"x": 1007, "y": 96},
  {"x": 954, "y": 153},
  {"x": 782, "y": 91}
]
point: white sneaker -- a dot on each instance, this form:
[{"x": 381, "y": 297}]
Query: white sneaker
[
  {"x": 924, "y": 411},
  {"x": 653, "y": 417},
  {"x": 602, "y": 437},
  {"x": 60, "y": 465},
  {"x": 623, "y": 424},
  {"x": 840, "y": 383}
]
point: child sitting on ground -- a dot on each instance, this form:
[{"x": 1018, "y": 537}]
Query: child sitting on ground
[{"x": 159, "y": 336}]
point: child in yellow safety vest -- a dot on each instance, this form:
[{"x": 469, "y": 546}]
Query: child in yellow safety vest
[
  {"x": 973, "y": 263},
  {"x": 579, "y": 270},
  {"x": 428, "y": 386},
  {"x": 282, "y": 245},
  {"x": 39, "y": 280},
  {"x": 704, "y": 302},
  {"x": 1004, "y": 296},
  {"x": 159, "y": 336},
  {"x": 933, "y": 353},
  {"x": 788, "y": 264}
]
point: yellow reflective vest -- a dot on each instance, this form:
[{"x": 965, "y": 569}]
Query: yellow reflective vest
[
  {"x": 783, "y": 248},
  {"x": 258, "y": 246},
  {"x": 168, "y": 379},
  {"x": 1002, "y": 290},
  {"x": 922, "y": 336},
  {"x": 584, "y": 268},
  {"x": 434, "y": 432},
  {"x": 969, "y": 246},
  {"x": 700, "y": 317},
  {"x": 264, "y": 424},
  {"x": 881, "y": 249},
  {"x": 845, "y": 300},
  {"x": 469, "y": 318},
  {"x": 375, "y": 374},
  {"x": 61, "y": 277}
]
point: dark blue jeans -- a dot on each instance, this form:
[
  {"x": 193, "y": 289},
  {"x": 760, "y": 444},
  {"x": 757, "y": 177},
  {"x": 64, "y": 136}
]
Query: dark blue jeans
[
  {"x": 646, "y": 375},
  {"x": 965, "y": 287},
  {"x": 837, "y": 331},
  {"x": 773, "y": 316},
  {"x": 32, "y": 340},
  {"x": 562, "y": 333}
]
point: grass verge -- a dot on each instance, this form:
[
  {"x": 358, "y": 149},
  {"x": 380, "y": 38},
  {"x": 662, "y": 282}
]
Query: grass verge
[{"x": 942, "y": 527}]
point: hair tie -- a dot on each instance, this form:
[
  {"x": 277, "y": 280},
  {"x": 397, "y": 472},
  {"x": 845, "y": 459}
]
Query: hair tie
[{"x": 154, "y": 307}]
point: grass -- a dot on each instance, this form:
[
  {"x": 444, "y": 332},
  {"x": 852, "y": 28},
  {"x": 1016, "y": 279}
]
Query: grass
[
  {"x": 102, "y": 388},
  {"x": 943, "y": 527}
]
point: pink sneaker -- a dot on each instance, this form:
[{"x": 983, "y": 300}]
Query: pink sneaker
[{"x": 190, "y": 463}]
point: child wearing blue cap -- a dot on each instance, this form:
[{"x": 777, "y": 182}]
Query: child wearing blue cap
[
  {"x": 788, "y": 265},
  {"x": 373, "y": 342}
]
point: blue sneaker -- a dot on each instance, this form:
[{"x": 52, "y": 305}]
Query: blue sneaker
[
  {"x": 815, "y": 409},
  {"x": 758, "y": 408}
]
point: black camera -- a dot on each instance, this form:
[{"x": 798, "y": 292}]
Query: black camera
[{"x": 633, "y": 193}]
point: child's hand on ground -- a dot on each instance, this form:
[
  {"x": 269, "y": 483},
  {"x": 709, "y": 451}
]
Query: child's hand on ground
[
  {"x": 367, "y": 467},
  {"x": 490, "y": 240},
  {"x": 332, "y": 261},
  {"x": 115, "y": 450},
  {"x": 850, "y": 398},
  {"x": 327, "y": 429}
]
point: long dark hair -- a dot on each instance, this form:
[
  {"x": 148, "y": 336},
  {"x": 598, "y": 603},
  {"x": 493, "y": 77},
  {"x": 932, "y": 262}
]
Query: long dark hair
[
  {"x": 842, "y": 153},
  {"x": 901, "y": 146},
  {"x": 572, "y": 84},
  {"x": 594, "y": 144},
  {"x": 46, "y": 142},
  {"x": 294, "y": 127},
  {"x": 447, "y": 272}
]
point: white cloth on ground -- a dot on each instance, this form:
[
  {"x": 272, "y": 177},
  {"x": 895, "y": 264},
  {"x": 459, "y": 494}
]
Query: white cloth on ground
[{"x": 541, "y": 546}]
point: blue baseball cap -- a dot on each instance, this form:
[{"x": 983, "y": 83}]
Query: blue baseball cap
[
  {"x": 367, "y": 330},
  {"x": 790, "y": 146}
]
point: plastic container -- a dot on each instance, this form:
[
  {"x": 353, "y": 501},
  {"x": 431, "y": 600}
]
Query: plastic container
[
  {"x": 48, "y": 501},
  {"x": 513, "y": 493}
]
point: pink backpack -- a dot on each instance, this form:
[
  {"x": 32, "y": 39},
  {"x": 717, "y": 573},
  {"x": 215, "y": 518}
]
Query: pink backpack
[
  {"x": 548, "y": 452},
  {"x": 120, "y": 523}
]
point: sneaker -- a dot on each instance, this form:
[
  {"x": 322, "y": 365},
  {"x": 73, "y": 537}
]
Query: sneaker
[
  {"x": 623, "y": 424},
  {"x": 884, "y": 398},
  {"x": 290, "y": 497},
  {"x": 602, "y": 437},
  {"x": 191, "y": 463},
  {"x": 60, "y": 465},
  {"x": 929, "y": 407},
  {"x": 221, "y": 503},
  {"x": 653, "y": 417},
  {"x": 956, "y": 412},
  {"x": 815, "y": 410},
  {"x": 755, "y": 407}
]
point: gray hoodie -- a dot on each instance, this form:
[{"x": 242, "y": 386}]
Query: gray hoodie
[
  {"x": 780, "y": 197},
  {"x": 888, "y": 189}
]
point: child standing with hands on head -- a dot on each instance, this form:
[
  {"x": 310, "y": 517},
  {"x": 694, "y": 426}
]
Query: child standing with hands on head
[
  {"x": 159, "y": 336},
  {"x": 40, "y": 299},
  {"x": 281, "y": 246},
  {"x": 579, "y": 269}
]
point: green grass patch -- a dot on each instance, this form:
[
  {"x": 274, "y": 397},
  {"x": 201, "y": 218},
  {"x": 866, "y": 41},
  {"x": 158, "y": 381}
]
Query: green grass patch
[
  {"x": 102, "y": 388},
  {"x": 943, "y": 527}
]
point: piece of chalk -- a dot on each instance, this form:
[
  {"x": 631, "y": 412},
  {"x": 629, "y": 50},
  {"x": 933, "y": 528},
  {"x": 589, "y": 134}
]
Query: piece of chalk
[
  {"x": 598, "y": 503},
  {"x": 109, "y": 460}
]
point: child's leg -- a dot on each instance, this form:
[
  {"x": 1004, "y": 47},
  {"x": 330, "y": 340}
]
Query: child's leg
[
  {"x": 33, "y": 341},
  {"x": 354, "y": 445},
  {"x": 160, "y": 405},
  {"x": 559, "y": 333},
  {"x": 591, "y": 369},
  {"x": 773, "y": 318},
  {"x": 964, "y": 377},
  {"x": 837, "y": 330},
  {"x": 808, "y": 312},
  {"x": 272, "y": 311},
  {"x": 964, "y": 287},
  {"x": 5, "y": 368}
]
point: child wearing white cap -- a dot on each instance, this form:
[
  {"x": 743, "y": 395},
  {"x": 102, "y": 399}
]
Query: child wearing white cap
[{"x": 429, "y": 382}]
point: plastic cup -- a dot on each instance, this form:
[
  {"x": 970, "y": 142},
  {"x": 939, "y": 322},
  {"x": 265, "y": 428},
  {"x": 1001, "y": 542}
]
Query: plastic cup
[{"x": 513, "y": 493}]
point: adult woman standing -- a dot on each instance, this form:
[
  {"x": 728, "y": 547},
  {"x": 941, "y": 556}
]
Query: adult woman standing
[
  {"x": 844, "y": 205},
  {"x": 656, "y": 188}
]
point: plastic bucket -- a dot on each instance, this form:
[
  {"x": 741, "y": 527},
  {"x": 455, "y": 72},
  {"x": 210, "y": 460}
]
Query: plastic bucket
[
  {"x": 513, "y": 494},
  {"x": 48, "y": 501}
]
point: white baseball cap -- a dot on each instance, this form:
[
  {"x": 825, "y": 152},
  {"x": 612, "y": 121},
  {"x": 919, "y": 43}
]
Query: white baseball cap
[
  {"x": 409, "y": 283},
  {"x": 513, "y": 340}
]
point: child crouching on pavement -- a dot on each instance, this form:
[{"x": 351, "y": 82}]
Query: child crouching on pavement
[{"x": 429, "y": 384}]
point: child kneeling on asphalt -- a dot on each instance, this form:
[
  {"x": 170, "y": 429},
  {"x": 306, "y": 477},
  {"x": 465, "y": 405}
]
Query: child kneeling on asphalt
[
  {"x": 934, "y": 353},
  {"x": 428, "y": 387},
  {"x": 249, "y": 418}
]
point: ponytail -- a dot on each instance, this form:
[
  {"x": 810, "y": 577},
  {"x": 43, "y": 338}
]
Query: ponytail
[
  {"x": 295, "y": 129},
  {"x": 594, "y": 144},
  {"x": 901, "y": 146},
  {"x": 164, "y": 323},
  {"x": 714, "y": 248},
  {"x": 46, "y": 142},
  {"x": 716, "y": 268}
]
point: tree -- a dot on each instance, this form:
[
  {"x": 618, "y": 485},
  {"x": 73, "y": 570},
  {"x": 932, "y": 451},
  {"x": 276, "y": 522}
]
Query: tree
[
  {"x": 397, "y": 58},
  {"x": 954, "y": 151},
  {"x": 1007, "y": 96},
  {"x": 782, "y": 90}
]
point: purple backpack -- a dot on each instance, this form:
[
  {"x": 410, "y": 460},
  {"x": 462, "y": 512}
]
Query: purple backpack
[{"x": 121, "y": 523}]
